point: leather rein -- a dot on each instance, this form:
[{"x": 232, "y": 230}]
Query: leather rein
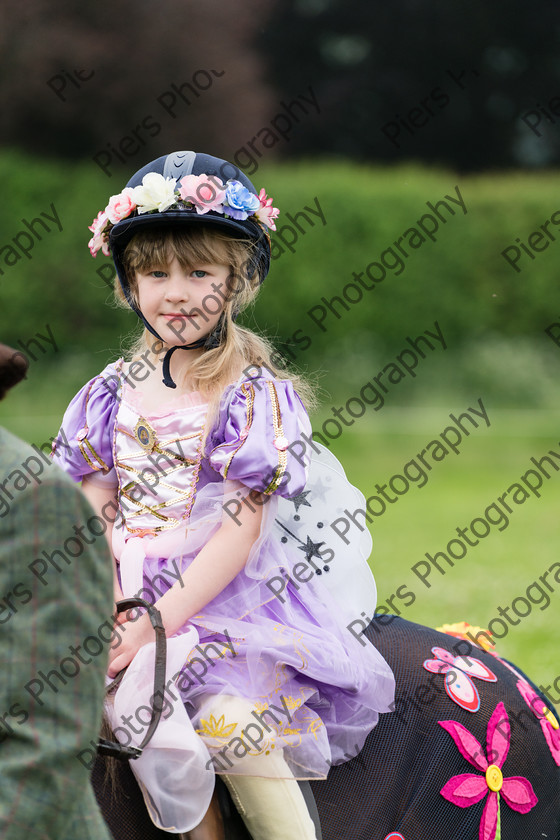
[{"x": 113, "y": 748}]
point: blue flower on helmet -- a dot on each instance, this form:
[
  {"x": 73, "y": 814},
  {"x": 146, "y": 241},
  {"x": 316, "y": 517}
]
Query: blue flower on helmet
[{"x": 240, "y": 202}]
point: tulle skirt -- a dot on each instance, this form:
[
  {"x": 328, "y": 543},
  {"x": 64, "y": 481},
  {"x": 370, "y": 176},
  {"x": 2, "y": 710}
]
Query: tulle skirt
[{"x": 277, "y": 639}]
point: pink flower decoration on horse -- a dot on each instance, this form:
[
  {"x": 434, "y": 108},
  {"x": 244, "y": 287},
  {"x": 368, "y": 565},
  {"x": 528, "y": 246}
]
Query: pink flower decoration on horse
[
  {"x": 458, "y": 671},
  {"x": 547, "y": 719},
  {"x": 468, "y": 789}
]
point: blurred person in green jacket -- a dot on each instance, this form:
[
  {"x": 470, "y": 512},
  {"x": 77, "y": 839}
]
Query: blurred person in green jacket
[{"x": 53, "y": 655}]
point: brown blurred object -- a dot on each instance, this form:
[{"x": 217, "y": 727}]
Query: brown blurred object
[{"x": 13, "y": 367}]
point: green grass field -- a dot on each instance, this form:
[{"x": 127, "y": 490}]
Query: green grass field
[
  {"x": 505, "y": 563},
  {"x": 492, "y": 574}
]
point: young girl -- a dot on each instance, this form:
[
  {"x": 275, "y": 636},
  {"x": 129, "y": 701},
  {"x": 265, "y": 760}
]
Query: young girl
[{"x": 204, "y": 445}]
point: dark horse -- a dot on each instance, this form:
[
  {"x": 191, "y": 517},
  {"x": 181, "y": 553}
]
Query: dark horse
[{"x": 392, "y": 788}]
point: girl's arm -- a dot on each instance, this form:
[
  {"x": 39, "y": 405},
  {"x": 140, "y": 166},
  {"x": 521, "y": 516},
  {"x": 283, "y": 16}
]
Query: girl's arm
[
  {"x": 98, "y": 496},
  {"x": 216, "y": 565}
]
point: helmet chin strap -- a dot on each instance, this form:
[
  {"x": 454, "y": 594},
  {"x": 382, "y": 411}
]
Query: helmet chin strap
[
  {"x": 167, "y": 379},
  {"x": 208, "y": 342}
]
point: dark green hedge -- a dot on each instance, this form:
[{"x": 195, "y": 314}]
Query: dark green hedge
[{"x": 461, "y": 280}]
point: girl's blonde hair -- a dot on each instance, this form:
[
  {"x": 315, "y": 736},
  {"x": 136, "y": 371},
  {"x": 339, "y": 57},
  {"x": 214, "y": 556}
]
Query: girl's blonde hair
[{"x": 240, "y": 348}]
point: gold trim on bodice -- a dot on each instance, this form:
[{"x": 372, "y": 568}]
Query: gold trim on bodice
[{"x": 157, "y": 467}]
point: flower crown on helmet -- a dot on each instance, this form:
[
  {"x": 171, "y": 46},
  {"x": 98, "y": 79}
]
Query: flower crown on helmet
[{"x": 200, "y": 193}]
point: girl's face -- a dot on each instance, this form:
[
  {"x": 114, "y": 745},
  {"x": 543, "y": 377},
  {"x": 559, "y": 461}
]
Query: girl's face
[{"x": 182, "y": 304}]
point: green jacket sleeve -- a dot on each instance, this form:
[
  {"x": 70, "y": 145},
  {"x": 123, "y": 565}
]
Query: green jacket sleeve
[{"x": 55, "y": 632}]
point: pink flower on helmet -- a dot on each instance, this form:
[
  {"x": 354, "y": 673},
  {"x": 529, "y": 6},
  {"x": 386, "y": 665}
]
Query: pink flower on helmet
[
  {"x": 267, "y": 213},
  {"x": 97, "y": 242},
  {"x": 468, "y": 789},
  {"x": 120, "y": 206},
  {"x": 99, "y": 222},
  {"x": 99, "y": 238},
  {"x": 205, "y": 192}
]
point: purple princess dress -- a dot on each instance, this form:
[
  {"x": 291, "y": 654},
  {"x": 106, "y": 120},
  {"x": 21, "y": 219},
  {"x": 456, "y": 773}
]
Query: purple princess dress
[{"x": 281, "y": 635}]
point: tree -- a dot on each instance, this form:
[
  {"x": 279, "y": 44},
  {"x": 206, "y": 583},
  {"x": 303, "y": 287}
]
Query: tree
[
  {"x": 472, "y": 84},
  {"x": 129, "y": 80}
]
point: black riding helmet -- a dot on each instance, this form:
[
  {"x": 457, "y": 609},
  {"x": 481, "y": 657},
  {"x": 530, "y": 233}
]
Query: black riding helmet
[{"x": 177, "y": 165}]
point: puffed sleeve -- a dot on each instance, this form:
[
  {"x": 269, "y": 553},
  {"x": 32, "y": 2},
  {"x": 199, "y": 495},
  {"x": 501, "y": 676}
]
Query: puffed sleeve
[
  {"x": 263, "y": 437},
  {"x": 84, "y": 444}
]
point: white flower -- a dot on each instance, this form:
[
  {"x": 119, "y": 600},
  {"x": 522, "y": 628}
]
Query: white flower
[{"x": 156, "y": 193}]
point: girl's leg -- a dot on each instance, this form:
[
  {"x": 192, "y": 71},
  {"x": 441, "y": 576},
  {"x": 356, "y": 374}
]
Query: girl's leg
[
  {"x": 272, "y": 809},
  {"x": 268, "y": 797}
]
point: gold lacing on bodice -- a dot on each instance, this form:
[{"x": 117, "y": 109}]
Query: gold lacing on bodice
[{"x": 157, "y": 468}]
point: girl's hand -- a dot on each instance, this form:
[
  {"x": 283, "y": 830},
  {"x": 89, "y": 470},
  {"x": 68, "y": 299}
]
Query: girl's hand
[
  {"x": 134, "y": 635},
  {"x": 120, "y": 618},
  {"x": 126, "y": 615}
]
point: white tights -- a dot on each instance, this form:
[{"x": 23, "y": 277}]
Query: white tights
[{"x": 270, "y": 801}]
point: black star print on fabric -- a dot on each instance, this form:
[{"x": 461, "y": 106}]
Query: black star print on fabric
[
  {"x": 301, "y": 500},
  {"x": 311, "y": 549}
]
